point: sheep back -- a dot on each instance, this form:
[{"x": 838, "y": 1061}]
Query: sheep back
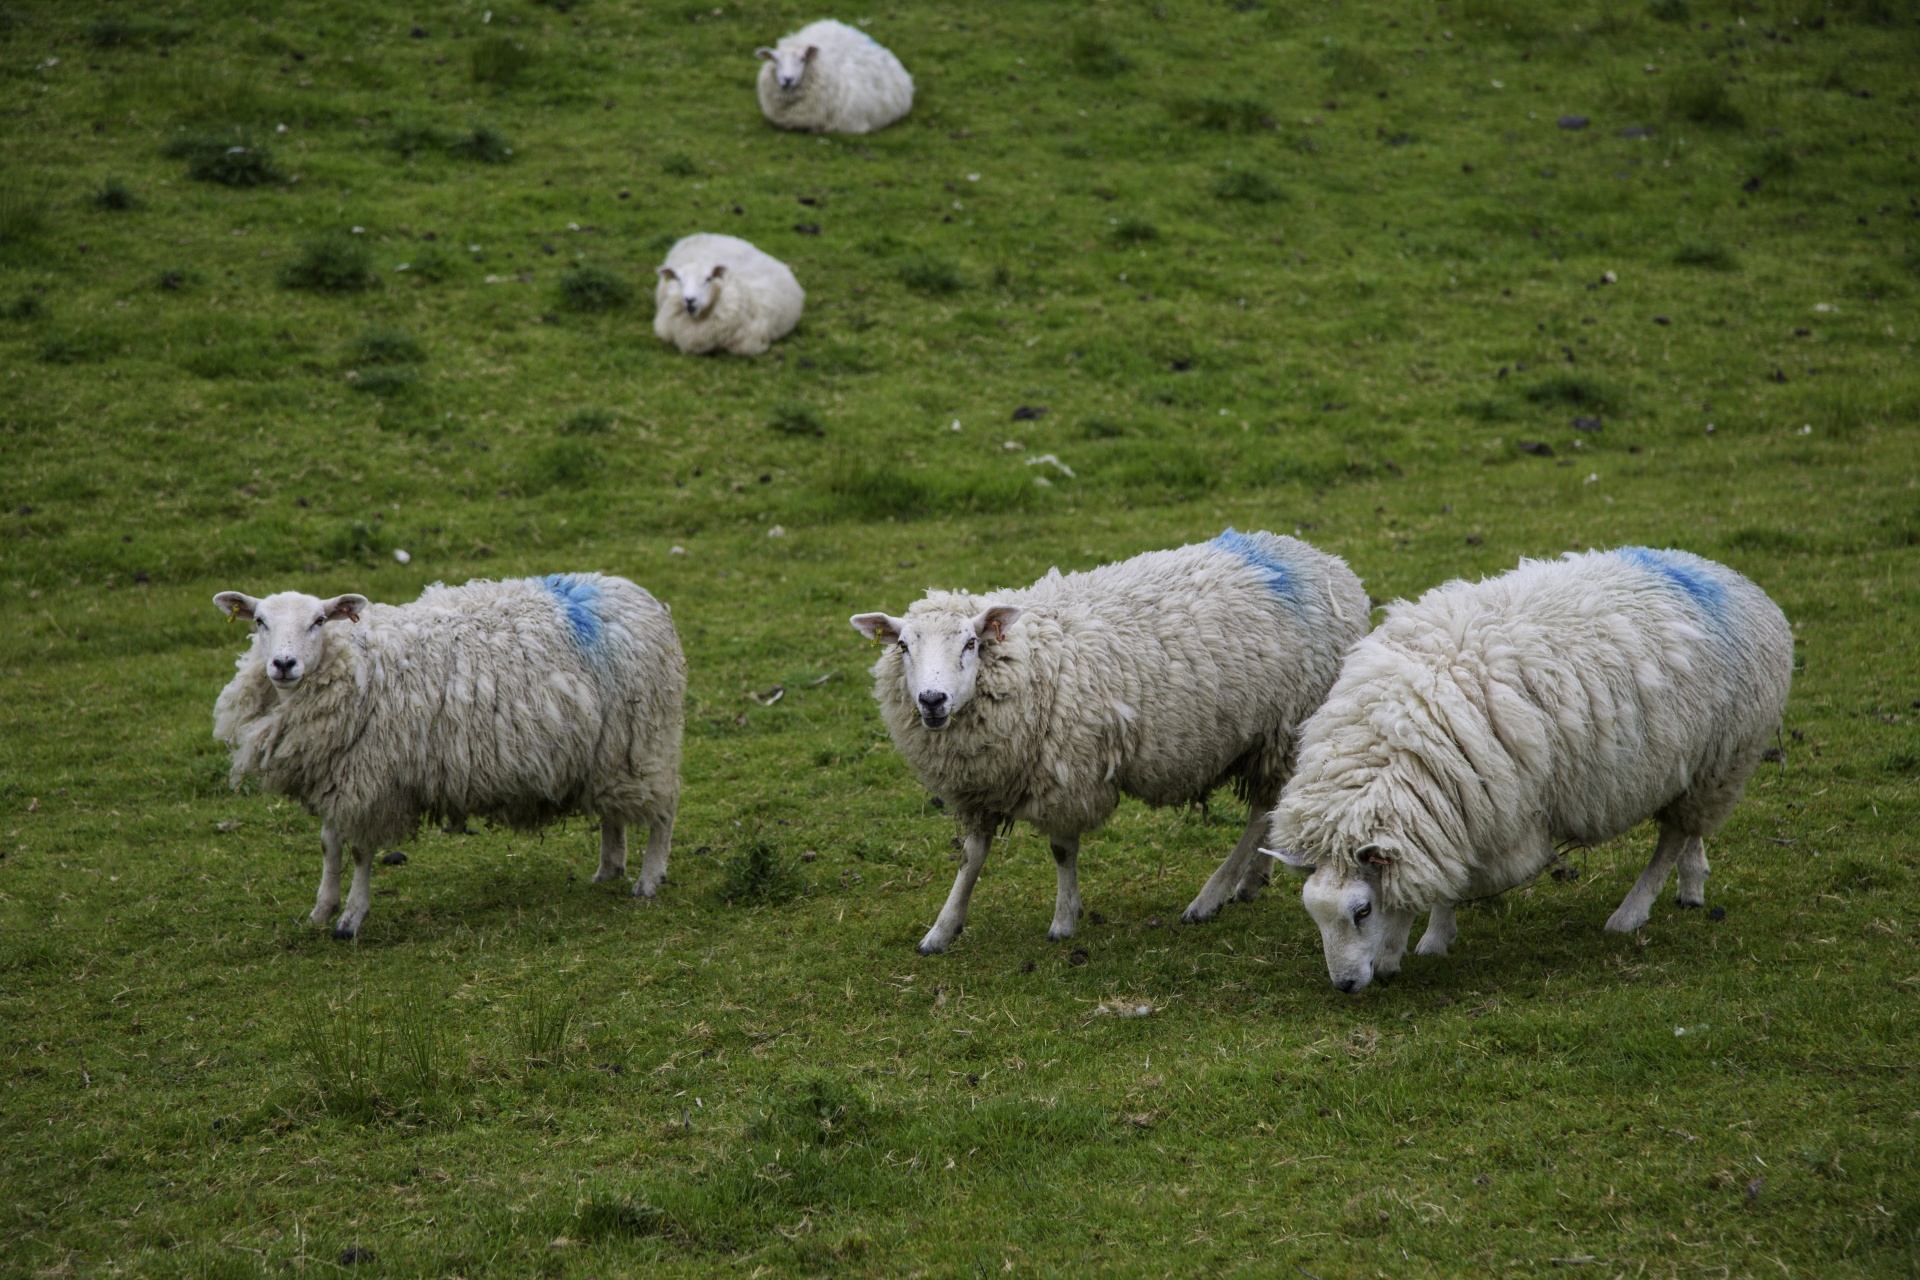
[
  {"x": 1161, "y": 677},
  {"x": 519, "y": 701},
  {"x": 759, "y": 303},
  {"x": 855, "y": 84},
  {"x": 1567, "y": 699}
]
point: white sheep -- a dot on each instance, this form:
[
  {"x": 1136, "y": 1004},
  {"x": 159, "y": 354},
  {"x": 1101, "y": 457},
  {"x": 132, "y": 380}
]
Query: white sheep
[
  {"x": 828, "y": 77},
  {"x": 1160, "y": 677},
  {"x": 521, "y": 701},
  {"x": 719, "y": 293},
  {"x": 1485, "y": 722}
]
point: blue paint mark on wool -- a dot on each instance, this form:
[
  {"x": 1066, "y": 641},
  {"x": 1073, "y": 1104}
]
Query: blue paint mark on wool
[
  {"x": 1689, "y": 573},
  {"x": 1279, "y": 578},
  {"x": 579, "y": 599}
]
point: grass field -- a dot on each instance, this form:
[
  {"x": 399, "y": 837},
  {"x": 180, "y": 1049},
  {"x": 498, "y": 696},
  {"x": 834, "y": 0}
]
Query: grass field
[{"x": 1351, "y": 270}]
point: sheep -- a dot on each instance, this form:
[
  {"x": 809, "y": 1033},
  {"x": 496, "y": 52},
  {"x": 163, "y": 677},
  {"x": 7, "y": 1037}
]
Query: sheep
[
  {"x": 828, "y": 77},
  {"x": 522, "y": 701},
  {"x": 1161, "y": 677},
  {"x": 1486, "y": 722},
  {"x": 719, "y": 293}
]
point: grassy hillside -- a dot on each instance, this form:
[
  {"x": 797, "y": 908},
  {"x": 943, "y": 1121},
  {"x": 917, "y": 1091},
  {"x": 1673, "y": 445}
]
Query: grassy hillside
[{"x": 287, "y": 289}]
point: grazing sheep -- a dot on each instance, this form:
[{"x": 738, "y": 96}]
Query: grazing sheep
[
  {"x": 828, "y": 77},
  {"x": 1160, "y": 677},
  {"x": 719, "y": 293},
  {"x": 1485, "y": 722},
  {"x": 521, "y": 701}
]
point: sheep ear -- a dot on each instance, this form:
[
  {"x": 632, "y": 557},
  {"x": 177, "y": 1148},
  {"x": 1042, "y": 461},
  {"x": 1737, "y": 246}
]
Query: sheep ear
[
  {"x": 666, "y": 273},
  {"x": 347, "y": 606},
  {"x": 877, "y": 626},
  {"x": 763, "y": 53},
  {"x": 1375, "y": 858},
  {"x": 1291, "y": 858},
  {"x": 235, "y": 604},
  {"x": 720, "y": 269},
  {"x": 812, "y": 51},
  {"x": 996, "y": 619}
]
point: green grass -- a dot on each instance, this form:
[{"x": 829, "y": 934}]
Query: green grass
[{"x": 517, "y": 1072}]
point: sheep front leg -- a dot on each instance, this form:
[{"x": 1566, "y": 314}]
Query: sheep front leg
[
  {"x": 1635, "y": 907},
  {"x": 328, "y": 900},
  {"x": 653, "y": 862},
  {"x": 613, "y": 851},
  {"x": 359, "y": 897},
  {"x": 1693, "y": 873},
  {"x": 1393, "y": 943},
  {"x": 953, "y": 916},
  {"x": 1239, "y": 878},
  {"x": 1441, "y": 931},
  {"x": 1066, "y": 901}
]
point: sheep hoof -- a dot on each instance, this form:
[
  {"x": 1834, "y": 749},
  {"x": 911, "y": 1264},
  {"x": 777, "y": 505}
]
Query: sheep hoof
[
  {"x": 1691, "y": 904},
  {"x": 344, "y": 932},
  {"x": 1430, "y": 947},
  {"x": 1196, "y": 914},
  {"x": 933, "y": 945},
  {"x": 321, "y": 915},
  {"x": 603, "y": 875},
  {"x": 1060, "y": 933},
  {"x": 641, "y": 889},
  {"x": 1621, "y": 922}
]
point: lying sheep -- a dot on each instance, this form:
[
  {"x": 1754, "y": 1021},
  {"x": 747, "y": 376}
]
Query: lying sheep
[
  {"x": 1160, "y": 677},
  {"x": 828, "y": 77},
  {"x": 521, "y": 701},
  {"x": 1483, "y": 723},
  {"x": 719, "y": 293}
]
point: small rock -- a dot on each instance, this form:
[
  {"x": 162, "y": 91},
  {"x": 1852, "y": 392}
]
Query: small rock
[
  {"x": 1717, "y": 914},
  {"x": 808, "y": 856},
  {"x": 1574, "y": 122},
  {"x": 401, "y": 556},
  {"x": 1027, "y": 413},
  {"x": 1538, "y": 448},
  {"x": 393, "y": 858},
  {"x": 1586, "y": 424},
  {"x": 418, "y": 33},
  {"x": 224, "y": 828},
  {"x": 1663, "y": 320},
  {"x": 807, "y": 228},
  {"x": 1153, "y": 922},
  {"x": 1753, "y": 1190},
  {"x": 1482, "y": 1180},
  {"x": 1079, "y": 956},
  {"x": 1027, "y": 967},
  {"x": 1608, "y": 277}
]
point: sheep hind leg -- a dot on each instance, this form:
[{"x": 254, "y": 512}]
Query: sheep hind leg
[
  {"x": 653, "y": 860},
  {"x": 1441, "y": 931},
  {"x": 1638, "y": 904},
  {"x": 359, "y": 897},
  {"x": 613, "y": 851},
  {"x": 1693, "y": 873},
  {"x": 953, "y": 916},
  {"x": 328, "y": 900},
  {"x": 1066, "y": 902},
  {"x": 1238, "y": 879}
]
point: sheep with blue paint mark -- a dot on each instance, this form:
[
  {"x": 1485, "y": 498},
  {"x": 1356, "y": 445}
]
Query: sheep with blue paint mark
[
  {"x": 521, "y": 701},
  {"x": 1486, "y": 723},
  {"x": 1162, "y": 677}
]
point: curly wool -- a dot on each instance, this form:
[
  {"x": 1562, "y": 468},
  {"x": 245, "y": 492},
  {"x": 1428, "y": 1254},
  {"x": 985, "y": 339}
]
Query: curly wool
[
  {"x": 853, "y": 85},
  {"x": 1567, "y": 700},
  {"x": 521, "y": 701},
  {"x": 1162, "y": 677},
  {"x": 756, "y": 303}
]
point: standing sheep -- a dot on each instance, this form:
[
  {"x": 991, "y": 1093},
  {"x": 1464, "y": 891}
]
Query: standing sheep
[
  {"x": 1483, "y": 723},
  {"x": 719, "y": 293},
  {"x": 521, "y": 701},
  {"x": 828, "y": 77},
  {"x": 1160, "y": 677}
]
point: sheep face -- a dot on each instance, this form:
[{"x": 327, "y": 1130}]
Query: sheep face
[
  {"x": 939, "y": 655},
  {"x": 789, "y": 65},
  {"x": 1356, "y": 932},
  {"x": 699, "y": 285},
  {"x": 288, "y": 629}
]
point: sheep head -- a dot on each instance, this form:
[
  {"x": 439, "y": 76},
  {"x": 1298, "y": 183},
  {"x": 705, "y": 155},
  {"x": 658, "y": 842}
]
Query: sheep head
[
  {"x": 790, "y": 64},
  {"x": 939, "y": 654},
  {"x": 699, "y": 285},
  {"x": 289, "y": 629},
  {"x": 1357, "y": 929}
]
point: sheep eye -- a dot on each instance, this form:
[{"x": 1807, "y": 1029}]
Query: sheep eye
[
  {"x": 260, "y": 623},
  {"x": 903, "y": 646},
  {"x": 317, "y": 622},
  {"x": 969, "y": 645},
  {"x": 1363, "y": 913}
]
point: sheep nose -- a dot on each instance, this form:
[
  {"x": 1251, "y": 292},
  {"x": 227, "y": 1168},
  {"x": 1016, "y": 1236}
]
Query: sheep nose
[
  {"x": 933, "y": 703},
  {"x": 1348, "y": 985},
  {"x": 285, "y": 666}
]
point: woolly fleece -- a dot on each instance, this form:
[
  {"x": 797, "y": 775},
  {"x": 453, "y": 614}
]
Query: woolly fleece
[
  {"x": 755, "y": 303},
  {"x": 853, "y": 85}
]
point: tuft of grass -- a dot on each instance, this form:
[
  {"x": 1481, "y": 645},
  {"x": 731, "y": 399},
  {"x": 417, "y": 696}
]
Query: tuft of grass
[
  {"x": 233, "y": 159},
  {"x": 342, "y": 1052},
  {"x": 604, "y": 1217},
  {"x": 1093, "y": 53},
  {"x": 1708, "y": 254},
  {"x": 175, "y": 278},
  {"x": 760, "y": 873},
  {"x": 931, "y": 275},
  {"x": 411, "y": 137},
  {"x": 796, "y": 420},
  {"x": 1670, "y": 11},
  {"x": 1774, "y": 162},
  {"x": 1134, "y": 231},
  {"x": 26, "y": 308},
  {"x": 1223, "y": 115},
  {"x": 433, "y": 264},
  {"x": 331, "y": 263},
  {"x": 383, "y": 382},
  {"x": 114, "y": 196},
  {"x": 1487, "y": 409},
  {"x": 859, "y": 490},
  {"x": 591, "y": 288},
  {"x": 115, "y": 32},
  {"x": 1576, "y": 391},
  {"x": 1354, "y": 71},
  {"x": 587, "y": 422},
  {"x": 79, "y": 346},
  {"x": 1702, "y": 98},
  {"x": 482, "y": 144},
  {"x": 23, "y": 210},
  {"x": 679, "y": 165},
  {"x": 541, "y": 1027},
  {"x": 383, "y": 344},
  {"x": 564, "y": 464},
  {"x": 498, "y": 61},
  {"x": 1245, "y": 184}
]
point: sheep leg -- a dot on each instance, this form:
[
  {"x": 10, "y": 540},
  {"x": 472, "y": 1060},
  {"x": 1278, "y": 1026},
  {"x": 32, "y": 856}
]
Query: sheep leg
[
  {"x": 953, "y": 916},
  {"x": 1693, "y": 873},
  {"x": 328, "y": 900},
  {"x": 1441, "y": 931},
  {"x": 653, "y": 862},
  {"x": 1638, "y": 904},
  {"x": 1066, "y": 902},
  {"x": 359, "y": 896},
  {"x": 1393, "y": 943},
  {"x": 1239, "y": 878},
  {"x": 613, "y": 851}
]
